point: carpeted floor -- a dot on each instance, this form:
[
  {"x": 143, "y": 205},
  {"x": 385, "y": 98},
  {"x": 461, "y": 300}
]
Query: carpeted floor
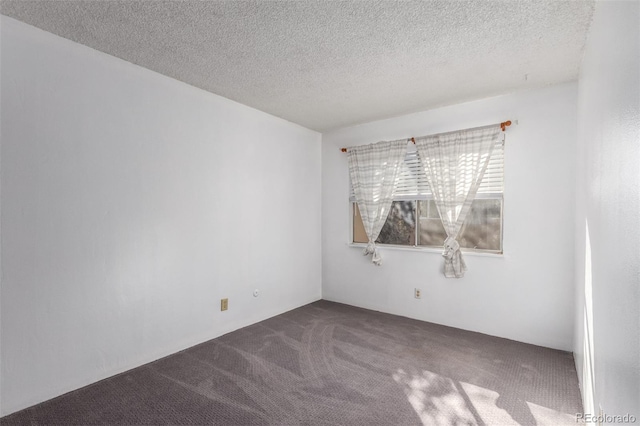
[{"x": 332, "y": 364}]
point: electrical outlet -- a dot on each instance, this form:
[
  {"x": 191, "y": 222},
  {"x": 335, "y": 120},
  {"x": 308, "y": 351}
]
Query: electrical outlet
[
  {"x": 224, "y": 304},
  {"x": 417, "y": 293}
]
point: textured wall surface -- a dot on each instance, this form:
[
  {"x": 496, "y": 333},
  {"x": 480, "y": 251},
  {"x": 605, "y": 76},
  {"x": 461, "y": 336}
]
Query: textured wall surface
[
  {"x": 608, "y": 209},
  {"x": 131, "y": 204},
  {"x": 330, "y": 64},
  {"x": 525, "y": 294}
]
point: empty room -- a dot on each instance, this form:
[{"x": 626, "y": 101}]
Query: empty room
[{"x": 319, "y": 212}]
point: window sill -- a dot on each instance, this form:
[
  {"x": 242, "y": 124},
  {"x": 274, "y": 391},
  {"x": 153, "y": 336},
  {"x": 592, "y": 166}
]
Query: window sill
[{"x": 467, "y": 252}]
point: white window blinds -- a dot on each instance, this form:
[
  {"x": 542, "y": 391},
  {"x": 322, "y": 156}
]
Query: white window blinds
[{"x": 412, "y": 183}]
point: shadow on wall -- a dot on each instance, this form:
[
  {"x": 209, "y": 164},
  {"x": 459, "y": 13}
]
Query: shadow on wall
[{"x": 588, "y": 378}]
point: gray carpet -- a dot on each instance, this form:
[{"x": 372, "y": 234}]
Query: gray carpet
[{"x": 332, "y": 364}]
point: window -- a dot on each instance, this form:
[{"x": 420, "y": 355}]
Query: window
[{"x": 414, "y": 221}]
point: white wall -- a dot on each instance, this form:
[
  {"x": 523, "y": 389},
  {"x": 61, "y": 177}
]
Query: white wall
[
  {"x": 526, "y": 294},
  {"x": 131, "y": 203},
  {"x": 608, "y": 203}
]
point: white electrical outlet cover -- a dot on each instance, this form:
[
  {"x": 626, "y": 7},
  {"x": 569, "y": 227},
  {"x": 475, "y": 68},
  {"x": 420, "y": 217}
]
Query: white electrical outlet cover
[{"x": 256, "y": 292}]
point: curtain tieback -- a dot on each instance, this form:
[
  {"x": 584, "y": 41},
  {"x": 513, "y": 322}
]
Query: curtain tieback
[
  {"x": 454, "y": 265},
  {"x": 451, "y": 247},
  {"x": 372, "y": 249}
]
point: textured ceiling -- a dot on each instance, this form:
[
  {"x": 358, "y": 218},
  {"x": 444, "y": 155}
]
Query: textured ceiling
[{"x": 328, "y": 64}]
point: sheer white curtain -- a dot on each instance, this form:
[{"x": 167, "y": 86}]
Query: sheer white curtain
[
  {"x": 454, "y": 164},
  {"x": 374, "y": 169}
]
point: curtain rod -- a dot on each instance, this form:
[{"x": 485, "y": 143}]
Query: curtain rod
[{"x": 503, "y": 126}]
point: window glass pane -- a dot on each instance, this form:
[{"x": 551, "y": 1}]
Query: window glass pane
[
  {"x": 481, "y": 230},
  {"x": 431, "y": 232},
  {"x": 400, "y": 227},
  {"x": 359, "y": 235},
  {"x": 482, "y": 227}
]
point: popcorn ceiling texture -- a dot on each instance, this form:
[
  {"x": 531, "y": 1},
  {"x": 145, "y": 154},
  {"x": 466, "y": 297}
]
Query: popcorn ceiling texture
[{"x": 326, "y": 65}]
